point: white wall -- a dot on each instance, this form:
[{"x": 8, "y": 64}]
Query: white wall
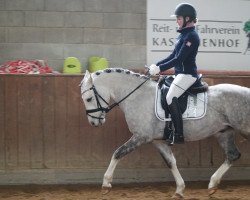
[{"x": 220, "y": 26}]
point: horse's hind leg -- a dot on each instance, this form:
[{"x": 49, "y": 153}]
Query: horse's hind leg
[
  {"x": 170, "y": 160},
  {"x": 123, "y": 150},
  {"x": 227, "y": 142}
]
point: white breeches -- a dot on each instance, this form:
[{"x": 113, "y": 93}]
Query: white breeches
[{"x": 180, "y": 84}]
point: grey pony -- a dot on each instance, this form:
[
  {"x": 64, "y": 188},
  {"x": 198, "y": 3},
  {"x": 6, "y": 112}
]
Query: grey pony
[{"x": 227, "y": 114}]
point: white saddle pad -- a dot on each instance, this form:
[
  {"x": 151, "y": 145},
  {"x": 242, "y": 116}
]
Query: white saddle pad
[{"x": 196, "y": 106}]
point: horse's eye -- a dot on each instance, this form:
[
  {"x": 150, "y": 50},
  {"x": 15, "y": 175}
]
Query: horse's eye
[{"x": 89, "y": 99}]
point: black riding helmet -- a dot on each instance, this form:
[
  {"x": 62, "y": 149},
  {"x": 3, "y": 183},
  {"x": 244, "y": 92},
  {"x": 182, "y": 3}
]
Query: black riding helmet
[{"x": 185, "y": 10}]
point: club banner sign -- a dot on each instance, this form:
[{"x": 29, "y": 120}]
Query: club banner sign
[{"x": 223, "y": 27}]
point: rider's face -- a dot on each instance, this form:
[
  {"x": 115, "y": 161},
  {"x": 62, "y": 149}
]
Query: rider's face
[{"x": 180, "y": 21}]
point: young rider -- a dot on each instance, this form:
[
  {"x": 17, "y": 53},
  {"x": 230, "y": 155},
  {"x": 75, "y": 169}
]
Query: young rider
[{"x": 183, "y": 59}]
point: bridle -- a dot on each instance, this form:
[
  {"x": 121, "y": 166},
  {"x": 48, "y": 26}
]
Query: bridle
[
  {"x": 99, "y": 106},
  {"x": 98, "y": 97}
]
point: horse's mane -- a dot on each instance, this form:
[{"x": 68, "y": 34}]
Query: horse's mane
[{"x": 121, "y": 71}]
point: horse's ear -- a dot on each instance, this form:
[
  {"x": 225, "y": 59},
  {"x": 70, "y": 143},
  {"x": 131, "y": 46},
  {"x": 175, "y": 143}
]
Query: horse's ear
[
  {"x": 88, "y": 77},
  {"x": 87, "y": 74}
]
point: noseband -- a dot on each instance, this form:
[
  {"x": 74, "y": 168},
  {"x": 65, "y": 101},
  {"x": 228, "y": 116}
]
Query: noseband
[{"x": 109, "y": 107}]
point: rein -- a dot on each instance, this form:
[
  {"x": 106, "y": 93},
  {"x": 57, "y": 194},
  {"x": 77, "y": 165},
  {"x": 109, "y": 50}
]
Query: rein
[{"x": 110, "y": 107}]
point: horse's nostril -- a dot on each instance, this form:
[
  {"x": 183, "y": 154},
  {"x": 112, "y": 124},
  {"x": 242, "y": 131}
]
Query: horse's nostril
[{"x": 92, "y": 123}]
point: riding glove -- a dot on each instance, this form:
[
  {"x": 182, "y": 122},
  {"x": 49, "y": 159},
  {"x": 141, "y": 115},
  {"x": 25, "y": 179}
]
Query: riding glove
[{"x": 154, "y": 69}]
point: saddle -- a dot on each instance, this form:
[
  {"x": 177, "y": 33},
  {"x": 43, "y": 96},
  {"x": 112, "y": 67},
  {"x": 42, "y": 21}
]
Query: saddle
[{"x": 197, "y": 92}]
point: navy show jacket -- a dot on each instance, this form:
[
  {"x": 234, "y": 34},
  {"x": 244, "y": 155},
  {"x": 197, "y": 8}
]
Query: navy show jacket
[{"x": 183, "y": 57}]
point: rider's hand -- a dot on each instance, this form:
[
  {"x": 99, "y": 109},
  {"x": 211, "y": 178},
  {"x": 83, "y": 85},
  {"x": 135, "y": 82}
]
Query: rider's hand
[{"x": 154, "y": 69}]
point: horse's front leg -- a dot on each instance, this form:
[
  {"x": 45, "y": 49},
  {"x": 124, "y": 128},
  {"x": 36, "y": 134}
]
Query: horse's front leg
[
  {"x": 108, "y": 176},
  {"x": 170, "y": 160},
  {"x": 123, "y": 150}
]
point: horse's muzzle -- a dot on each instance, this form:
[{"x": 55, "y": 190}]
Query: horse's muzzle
[{"x": 98, "y": 121}]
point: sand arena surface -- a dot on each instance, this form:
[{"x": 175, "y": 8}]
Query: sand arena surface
[{"x": 228, "y": 190}]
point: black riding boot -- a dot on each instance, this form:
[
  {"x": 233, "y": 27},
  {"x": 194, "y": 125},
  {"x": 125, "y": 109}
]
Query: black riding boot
[
  {"x": 176, "y": 116},
  {"x": 168, "y": 133}
]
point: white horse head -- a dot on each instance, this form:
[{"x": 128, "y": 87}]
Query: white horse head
[{"x": 96, "y": 99}]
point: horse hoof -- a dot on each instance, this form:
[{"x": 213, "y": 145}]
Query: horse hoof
[
  {"x": 212, "y": 190},
  {"x": 177, "y": 196},
  {"x": 105, "y": 190}
]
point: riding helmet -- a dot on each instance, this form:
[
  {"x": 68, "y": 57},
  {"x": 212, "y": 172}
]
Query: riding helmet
[{"x": 185, "y": 10}]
